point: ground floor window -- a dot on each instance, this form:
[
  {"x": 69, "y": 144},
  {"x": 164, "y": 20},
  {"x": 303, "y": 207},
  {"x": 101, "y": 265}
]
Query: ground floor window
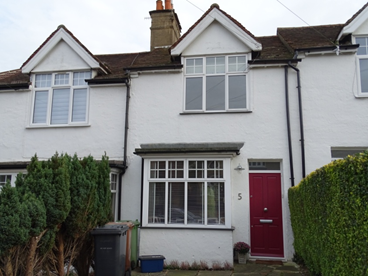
[
  {"x": 189, "y": 192},
  {"x": 114, "y": 176}
]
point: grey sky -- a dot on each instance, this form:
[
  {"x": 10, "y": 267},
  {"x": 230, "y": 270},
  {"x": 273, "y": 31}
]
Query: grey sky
[{"x": 122, "y": 26}]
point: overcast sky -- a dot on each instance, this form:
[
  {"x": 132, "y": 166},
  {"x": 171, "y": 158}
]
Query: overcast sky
[{"x": 123, "y": 26}]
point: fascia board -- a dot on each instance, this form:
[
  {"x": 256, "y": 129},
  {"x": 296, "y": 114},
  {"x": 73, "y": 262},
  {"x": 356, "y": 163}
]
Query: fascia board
[
  {"x": 60, "y": 35},
  {"x": 226, "y": 22},
  {"x": 354, "y": 25}
]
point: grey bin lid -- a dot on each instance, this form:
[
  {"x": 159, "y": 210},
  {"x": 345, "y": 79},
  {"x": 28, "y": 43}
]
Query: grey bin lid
[{"x": 110, "y": 230}]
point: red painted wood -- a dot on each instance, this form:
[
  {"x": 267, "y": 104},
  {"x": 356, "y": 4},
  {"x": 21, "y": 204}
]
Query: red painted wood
[{"x": 265, "y": 192}]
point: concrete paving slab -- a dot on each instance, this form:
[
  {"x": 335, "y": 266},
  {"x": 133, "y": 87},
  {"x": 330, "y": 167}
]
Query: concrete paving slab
[
  {"x": 182, "y": 273},
  {"x": 215, "y": 272}
]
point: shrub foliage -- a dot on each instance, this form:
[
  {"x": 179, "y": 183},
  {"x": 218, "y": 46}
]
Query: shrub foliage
[
  {"x": 329, "y": 217},
  {"x": 45, "y": 221}
]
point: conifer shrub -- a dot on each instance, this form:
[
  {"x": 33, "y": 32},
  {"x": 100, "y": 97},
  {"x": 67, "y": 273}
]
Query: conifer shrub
[{"x": 329, "y": 210}]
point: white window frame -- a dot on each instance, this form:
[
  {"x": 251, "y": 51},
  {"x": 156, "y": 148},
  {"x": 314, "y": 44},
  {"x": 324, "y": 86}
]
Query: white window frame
[
  {"x": 360, "y": 93},
  {"x": 202, "y": 75},
  {"x": 165, "y": 224},
  {"x": 114, "y": 177},
  {"x": 347, "y": 151},
  {"x": 51, "y": 90},
  {"x": 13, "y": 174}
]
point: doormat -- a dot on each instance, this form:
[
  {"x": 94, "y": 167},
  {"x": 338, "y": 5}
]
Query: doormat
[{"x": 269, "y": 262}]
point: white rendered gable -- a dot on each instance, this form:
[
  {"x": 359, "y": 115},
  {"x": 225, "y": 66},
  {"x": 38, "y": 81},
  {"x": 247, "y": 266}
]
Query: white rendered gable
[
  {"x": 228, "y": 25},
  {"x": 363, "y": 29},
  {"x": 61, "y": 57},
  {"x": 64, "y": 45},
  {"x": 215, "y": 39}
]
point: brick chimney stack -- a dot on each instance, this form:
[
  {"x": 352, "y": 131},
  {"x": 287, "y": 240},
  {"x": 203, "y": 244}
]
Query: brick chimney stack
[{"x": 165, "y": 25}]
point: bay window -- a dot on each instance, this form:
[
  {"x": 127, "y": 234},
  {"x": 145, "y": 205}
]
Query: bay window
[
  {"x": 60, "y": 98},
  {"x": 216, "y": 83},
  {"x": 362, "y": 56},
  {"x": 188, "y": 192}
]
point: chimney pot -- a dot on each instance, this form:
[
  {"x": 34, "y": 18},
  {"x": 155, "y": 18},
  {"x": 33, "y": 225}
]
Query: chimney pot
[
  {"x": 159, "y": 6},
  {"x": 168, "y": 5}
]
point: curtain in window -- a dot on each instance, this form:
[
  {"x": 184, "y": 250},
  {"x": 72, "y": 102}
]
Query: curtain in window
[
  {"x": 79, "y": 105},
  {"x": 215, "y": 203},
  {"x": 176, "y": 203},
  {"x": 40, "y": 107},
  {"x": 60, "y": 106},
  {"x": 156, "y": 204}
]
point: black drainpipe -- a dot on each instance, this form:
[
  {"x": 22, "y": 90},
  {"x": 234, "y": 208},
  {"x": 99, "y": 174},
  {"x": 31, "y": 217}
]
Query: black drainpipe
[
  {"x": 127, "y": 82},
  {"x": 288, "y": 126},
  {"x": 300, "y": 118}
]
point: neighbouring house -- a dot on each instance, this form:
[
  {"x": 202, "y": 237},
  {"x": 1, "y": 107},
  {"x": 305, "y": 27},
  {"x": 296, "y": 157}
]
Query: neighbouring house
[{"x": 206, "y": 132}]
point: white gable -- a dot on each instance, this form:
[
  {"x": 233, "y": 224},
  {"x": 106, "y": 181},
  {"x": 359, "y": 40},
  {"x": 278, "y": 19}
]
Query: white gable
[
  {"x": 61, "y": 57},
  {"x": 205, "y": 32},
  {"x": 61, "y": 51},
  {"x": 363, "y": 29},
  {"x": 215, "y": 40}
]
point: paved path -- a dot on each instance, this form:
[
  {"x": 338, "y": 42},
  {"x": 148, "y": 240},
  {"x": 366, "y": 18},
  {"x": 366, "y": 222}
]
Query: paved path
[{"x": 251, "y": 268}]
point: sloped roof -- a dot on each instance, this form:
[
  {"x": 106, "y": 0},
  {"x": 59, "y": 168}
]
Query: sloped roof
[
  {"x": 14, "y": 79},
  {"x": 274, "y": 48},
  {"x": 309, "y": 37},
  {"x": 356, "y": 14}
]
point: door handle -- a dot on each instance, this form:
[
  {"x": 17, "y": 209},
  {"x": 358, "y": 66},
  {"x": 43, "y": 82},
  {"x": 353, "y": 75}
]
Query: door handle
[
  {"x": 266, "y": 220},
  {"x": 265, "y": 209}
]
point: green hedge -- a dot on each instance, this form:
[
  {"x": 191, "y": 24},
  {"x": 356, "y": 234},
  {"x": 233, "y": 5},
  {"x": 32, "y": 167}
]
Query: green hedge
[{"x": 329, "y": 217}]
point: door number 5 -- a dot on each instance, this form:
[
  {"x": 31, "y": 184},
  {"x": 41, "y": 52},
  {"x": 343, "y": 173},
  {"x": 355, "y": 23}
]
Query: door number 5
[{"x": 240, "y": 196}]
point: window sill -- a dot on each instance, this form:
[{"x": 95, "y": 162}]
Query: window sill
[
  {"x": 188, "y": 228},
  {"x": 216, "y": 112},
  {"x": 57, "y": 126},
  {"x": 361, "y": 95}
]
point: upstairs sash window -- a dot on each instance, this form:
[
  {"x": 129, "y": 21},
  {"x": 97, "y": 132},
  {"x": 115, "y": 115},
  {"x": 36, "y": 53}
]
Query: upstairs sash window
[
  {"x": 60, "y": 98},
  {"x": 216, "y": 83},
  {"x": 362, "y": 55}
]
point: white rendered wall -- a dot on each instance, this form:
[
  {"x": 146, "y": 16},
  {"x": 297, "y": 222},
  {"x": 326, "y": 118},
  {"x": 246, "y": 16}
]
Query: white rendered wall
[
  {"x": 19, "y": 142},
  {"x": 181, "y": 245}
]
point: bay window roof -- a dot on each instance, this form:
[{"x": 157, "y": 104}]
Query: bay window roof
[{"x": 163, "y": 148}]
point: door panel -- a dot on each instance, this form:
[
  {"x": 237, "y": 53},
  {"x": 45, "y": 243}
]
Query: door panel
[{"x": 266, "y": 215}]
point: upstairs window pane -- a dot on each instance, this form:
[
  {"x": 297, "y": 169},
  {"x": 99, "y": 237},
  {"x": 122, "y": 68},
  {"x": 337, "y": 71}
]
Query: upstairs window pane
[
  {"x": 61, "y": 79},
  {"x": 193, "y": 96},
  {"x": 40, "y": 107},
  {"x": 79, "y": 105},
  {"x": 363, "y": 44},
  {"x": 237, "y": 92},
  {"x": 60, "y": 106},
  {"x": 80, "y": 77},
  {"x": 43, "y": 80},
  {"x": 215, "y": 93}
]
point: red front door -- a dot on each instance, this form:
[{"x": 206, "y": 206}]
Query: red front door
[{"x": 266, "y": 233}]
